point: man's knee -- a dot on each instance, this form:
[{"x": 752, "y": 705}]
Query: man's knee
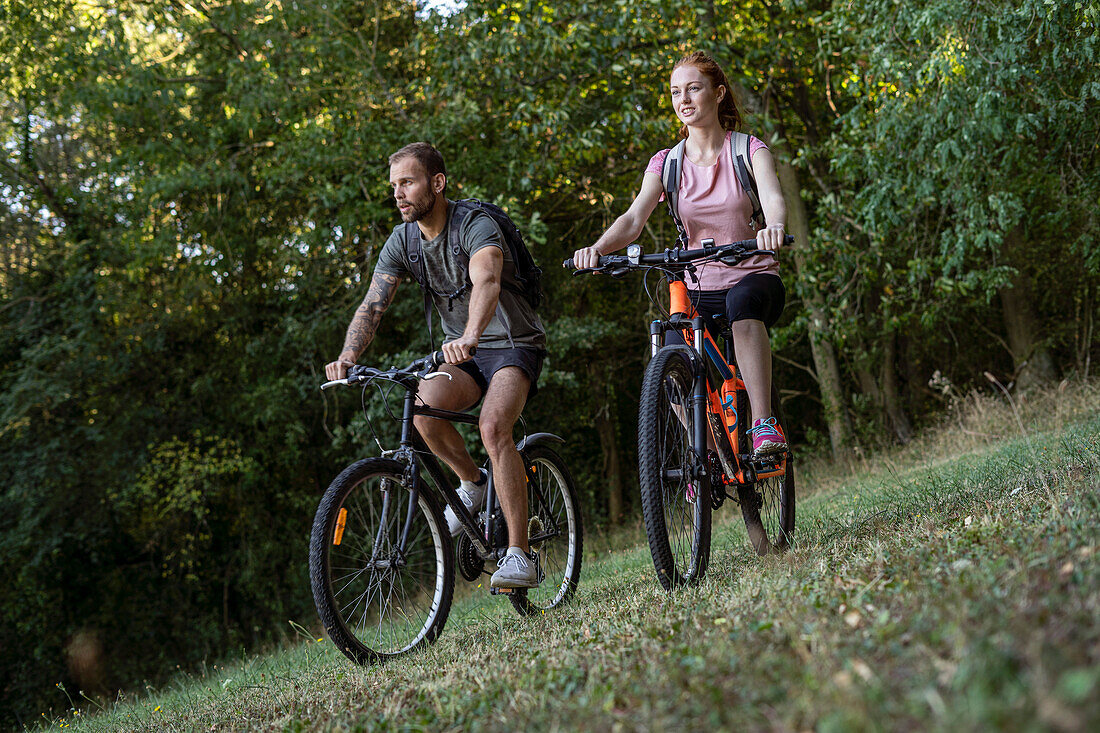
[
  {"x": 427, "y": 426},
  {"x": 496, "y": 432}
]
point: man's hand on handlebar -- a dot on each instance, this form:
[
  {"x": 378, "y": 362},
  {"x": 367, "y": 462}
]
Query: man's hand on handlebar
[
  {"x": 586, "y": 257},
  {"x": 770, "y": 237},
  {"x": 460, "y": 350},
  {"x": 338, "y": 369}
]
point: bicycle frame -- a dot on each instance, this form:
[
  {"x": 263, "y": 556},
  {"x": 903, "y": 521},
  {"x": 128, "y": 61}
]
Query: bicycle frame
[
  {"x": 415, "y": 453},
  {"x": 714, "y": 393}
]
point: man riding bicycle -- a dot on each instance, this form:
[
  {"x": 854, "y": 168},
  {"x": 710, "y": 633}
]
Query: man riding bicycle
[{"x": 494, "y": 342}]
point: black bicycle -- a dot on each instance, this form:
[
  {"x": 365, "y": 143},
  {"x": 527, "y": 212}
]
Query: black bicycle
[{"x": 381, "y": 560}]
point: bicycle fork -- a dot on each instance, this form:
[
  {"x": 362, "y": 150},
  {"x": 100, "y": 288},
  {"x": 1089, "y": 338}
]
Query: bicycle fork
[{"x": 699, "y": 396}]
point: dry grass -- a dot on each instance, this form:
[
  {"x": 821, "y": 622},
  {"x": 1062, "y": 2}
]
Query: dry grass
[{"x": 971, "y": 423}]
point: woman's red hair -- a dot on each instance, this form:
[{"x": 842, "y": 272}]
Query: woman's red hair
[{"x": 728, "y": 114}]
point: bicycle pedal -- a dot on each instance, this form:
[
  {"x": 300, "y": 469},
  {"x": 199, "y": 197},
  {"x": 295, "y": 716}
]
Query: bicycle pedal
[
  {"x": 769, "y": 466},
  {"x": 503, "y": 591}
]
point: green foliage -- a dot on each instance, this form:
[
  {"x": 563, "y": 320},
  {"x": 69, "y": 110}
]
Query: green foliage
[{"x": 186, "y": 495}]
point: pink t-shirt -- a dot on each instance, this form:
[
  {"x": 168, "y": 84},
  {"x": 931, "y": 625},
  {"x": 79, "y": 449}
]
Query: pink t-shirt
[{"x": 714, "y": 206}]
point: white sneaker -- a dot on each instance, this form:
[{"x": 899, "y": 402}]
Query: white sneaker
[
  {"x": 472, "y": 495},
  {"x": 516, "y": 570}
]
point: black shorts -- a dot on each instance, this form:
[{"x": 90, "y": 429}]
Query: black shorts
[
  {"x": 487, "y": 362},
  {"x": 758, "y": 297}
]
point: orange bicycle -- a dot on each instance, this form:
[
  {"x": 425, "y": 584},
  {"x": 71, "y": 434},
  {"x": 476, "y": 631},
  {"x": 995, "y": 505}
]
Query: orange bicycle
[{"x": 692, "y": 417}]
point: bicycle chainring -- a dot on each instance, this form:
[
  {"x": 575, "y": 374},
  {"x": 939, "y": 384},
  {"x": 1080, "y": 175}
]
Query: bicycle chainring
[
  {"x": 470, "y": 564},
  {"x": 717, "y": 484}
]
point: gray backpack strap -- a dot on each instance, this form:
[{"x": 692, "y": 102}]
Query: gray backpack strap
[
  {"x": 742, "y": 168},
  {"x": 415, "y": 254},
  {"x": 670, "y": 182},
  {"x": 462, "y": 210}
]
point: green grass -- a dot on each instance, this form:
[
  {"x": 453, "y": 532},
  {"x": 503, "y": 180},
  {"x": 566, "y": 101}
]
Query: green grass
[{"x": 949, "y": 585}]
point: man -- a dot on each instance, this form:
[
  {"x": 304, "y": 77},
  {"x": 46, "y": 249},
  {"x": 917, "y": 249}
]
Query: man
[{"x": 471, "y": 302}]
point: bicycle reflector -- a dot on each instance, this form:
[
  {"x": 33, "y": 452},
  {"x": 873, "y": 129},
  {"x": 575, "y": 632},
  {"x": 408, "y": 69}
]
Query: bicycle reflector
[{"x": 341, "y": 520}]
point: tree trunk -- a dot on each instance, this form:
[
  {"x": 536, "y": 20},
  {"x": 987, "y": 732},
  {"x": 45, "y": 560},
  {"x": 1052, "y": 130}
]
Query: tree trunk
[
  {"x": 612, "y": 471},
  {"x": 1033, "y": 363},
  {"x": 824, "y": 354},
  {"x": 891, "y": 398}
]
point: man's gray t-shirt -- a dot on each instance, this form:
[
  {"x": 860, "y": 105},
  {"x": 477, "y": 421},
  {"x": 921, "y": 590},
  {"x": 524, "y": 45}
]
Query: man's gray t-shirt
[{"x": 446, "y": 273}]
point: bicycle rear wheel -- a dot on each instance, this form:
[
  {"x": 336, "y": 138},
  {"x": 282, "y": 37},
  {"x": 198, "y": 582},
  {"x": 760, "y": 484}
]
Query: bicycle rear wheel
[
  {"x": 675, "y": 506},
  {"x": 554, "y": 529},
  {"x": 767, "y": 505},
  {"x": 376, "y": 598}
]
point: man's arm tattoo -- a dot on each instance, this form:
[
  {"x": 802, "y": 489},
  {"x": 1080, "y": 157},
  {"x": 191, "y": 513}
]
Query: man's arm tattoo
[{"x": 363, "y": 326}]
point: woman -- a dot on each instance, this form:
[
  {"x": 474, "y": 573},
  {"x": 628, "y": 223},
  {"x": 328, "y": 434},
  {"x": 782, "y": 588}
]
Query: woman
[{"x": 712, "y": 204}]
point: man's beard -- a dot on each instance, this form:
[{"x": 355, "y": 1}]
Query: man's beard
[{"x": 418, "y": 210}]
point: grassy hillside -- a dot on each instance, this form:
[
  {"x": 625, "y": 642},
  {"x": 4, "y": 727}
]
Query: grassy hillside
[{"x": 952, "y": 584}]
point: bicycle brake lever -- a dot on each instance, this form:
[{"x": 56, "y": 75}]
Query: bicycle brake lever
[
  {"x": 433, "y": 375},
  {"x": 585, "y": 271},
  {"x": 619, "y": 272}
]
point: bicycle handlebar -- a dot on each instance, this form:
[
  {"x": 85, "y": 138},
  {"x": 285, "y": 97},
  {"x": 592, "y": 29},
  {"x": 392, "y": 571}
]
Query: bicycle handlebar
[
  {"x": 418, "y": 369},
  {"x": 729, "y": 254}
]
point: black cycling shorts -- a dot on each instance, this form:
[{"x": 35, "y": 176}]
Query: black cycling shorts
[
  {"x": 758, "y": 297},
  {"x": 487, "y": 362}
]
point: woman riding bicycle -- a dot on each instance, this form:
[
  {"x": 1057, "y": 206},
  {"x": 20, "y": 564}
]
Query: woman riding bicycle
[{"x": 712, "y": 204}]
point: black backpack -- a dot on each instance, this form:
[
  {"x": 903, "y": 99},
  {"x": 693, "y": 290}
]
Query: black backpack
[{"x": 528, "y": 275}]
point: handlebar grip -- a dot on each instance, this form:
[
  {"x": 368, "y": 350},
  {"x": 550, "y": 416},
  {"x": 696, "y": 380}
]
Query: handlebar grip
[
  {"x": 568, "y": 264},
  {"x": 438, "y": 359}
]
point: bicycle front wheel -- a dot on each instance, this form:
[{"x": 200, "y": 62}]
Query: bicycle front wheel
[
  {"x": 554, "y": 529},
  {"x": 380, "y": 563},
  {"x": 675, "y": 506}
]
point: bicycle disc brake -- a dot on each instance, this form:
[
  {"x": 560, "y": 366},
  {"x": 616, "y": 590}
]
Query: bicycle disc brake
[{"x": 470, "y": 564}]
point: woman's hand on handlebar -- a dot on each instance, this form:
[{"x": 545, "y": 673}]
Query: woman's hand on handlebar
[
  {"x": 586, "y": 257},
  {"x": 770, "y": 237}
]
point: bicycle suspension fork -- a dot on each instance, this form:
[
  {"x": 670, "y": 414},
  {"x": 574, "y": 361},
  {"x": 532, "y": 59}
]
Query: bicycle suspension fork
[
  {"x": 699, "y": 394},
  {"x": 699, "y": 383}
]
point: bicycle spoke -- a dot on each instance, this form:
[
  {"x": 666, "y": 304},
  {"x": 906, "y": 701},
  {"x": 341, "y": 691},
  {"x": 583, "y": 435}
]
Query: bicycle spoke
[{"x": 384, "y": 595}]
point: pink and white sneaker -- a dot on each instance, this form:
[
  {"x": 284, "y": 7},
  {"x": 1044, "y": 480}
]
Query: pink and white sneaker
[{"x": 767, "y": 437}]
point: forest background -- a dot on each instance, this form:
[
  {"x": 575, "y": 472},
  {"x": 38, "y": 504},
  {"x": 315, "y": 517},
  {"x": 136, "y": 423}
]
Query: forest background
[{"x": 192, "y": 195}]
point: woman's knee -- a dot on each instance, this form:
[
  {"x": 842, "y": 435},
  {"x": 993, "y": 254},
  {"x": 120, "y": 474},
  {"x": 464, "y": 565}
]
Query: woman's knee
[{"x": 746, "y": 326}]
